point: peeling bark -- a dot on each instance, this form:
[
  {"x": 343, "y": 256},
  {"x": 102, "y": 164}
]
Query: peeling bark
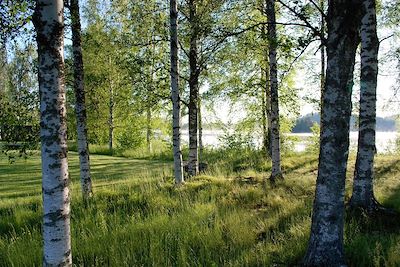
[
  {"x": 325, "y": 247},
  {"x": 363, "y": 189},
  {"x": 175, "y": 94},
  {"x": 274, "y": 109},
  {"x": 80, "y": 106},
  {"x": 49, "y": 24},
  {"x": 193, "y": 161}
]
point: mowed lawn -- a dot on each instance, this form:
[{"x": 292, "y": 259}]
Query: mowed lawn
[{"x": 225, "y": 217}]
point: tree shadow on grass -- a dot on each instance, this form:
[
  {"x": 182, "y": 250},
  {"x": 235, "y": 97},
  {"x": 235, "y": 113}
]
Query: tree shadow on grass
[
  {"x": 21, "y": 181},
  {"x": 301, "y": 164},
  {"x": 382, "y": 170}
]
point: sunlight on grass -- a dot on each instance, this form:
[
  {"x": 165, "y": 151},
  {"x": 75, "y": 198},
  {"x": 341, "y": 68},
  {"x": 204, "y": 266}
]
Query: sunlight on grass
[{"x": 226, "y": 216}]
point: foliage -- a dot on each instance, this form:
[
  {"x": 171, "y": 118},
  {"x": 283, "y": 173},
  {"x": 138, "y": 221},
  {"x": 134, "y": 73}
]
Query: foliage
[
  {"x": 236, "y": 140},
  {"x": 14, "y": 15},
  {"x": 313, "y": 141},
  {"x": 130, "y": 136},
  {"x": 19, "y": 109}
]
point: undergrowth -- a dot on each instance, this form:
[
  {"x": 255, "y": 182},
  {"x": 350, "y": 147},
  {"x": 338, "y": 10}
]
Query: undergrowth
[{"x": 224, "y": 217}]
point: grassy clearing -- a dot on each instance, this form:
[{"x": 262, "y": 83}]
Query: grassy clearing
[{"x": 225, "y": 216}]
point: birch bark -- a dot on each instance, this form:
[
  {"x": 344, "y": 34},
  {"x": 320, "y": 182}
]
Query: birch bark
[
  {"x": 175, "y": 94},
  {"x": 273, "y": 73},
  {"x": 363, "y": 192},
  {"x": 80, "y": 106},
  {"x": 325, "y": 247},
  {"x": 49, "y": 24},
  {"x": 193, "y": 161}
]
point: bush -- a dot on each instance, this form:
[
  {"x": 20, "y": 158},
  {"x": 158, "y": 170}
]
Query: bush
[
  {"x": 129, "y": 137},
  {"x": 236, "y": 140},
  {"x": 313, "y": 141}
]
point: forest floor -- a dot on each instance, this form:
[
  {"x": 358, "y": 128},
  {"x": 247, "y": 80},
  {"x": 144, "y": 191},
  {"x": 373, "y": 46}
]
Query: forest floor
[{"x": 225, "y": 216}]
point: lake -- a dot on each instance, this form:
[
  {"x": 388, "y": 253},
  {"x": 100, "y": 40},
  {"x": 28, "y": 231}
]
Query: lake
[{"x": 385, "y": 141}]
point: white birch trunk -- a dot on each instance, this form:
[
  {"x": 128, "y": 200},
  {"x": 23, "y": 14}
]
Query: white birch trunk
[
  {"x": 193, "y": 161},
  {"x": 363, "y": 193},
  {"x": 273, "y": 72},
  {"x": 325, "y": 247},
  {"x": 80, "y": 106},
  {"x": 49, "y": 23},
  {"x": 175, "y": 95}
]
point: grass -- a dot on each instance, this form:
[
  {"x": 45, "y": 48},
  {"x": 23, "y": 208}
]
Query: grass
[{"x": 224, "y": 217}]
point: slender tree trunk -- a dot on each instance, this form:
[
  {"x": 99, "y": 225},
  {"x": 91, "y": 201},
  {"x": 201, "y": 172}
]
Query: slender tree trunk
[
  {"x": 268, "y": 105},
  {"x": 148, "y": 128},
  {"x": 323, "y": 62},
  {"x": 363, "y": 190},
  {"x": 322, "y": 74},
  {"x": 3, "y": 67},
  {"x": 193, "y": 162},
  {"x": 175, "y": 94},
  {"x": 111, "y": 115},
  {"x": 325, "y": 247},
  {"x": 80, "y": 107},
  {"x": 273, "y": 72},
  {"x": 49, "y": 23},
  {"x": 201, "y": 148},
  {"x": 264, "y": 114},
  {"x": 266, "y": 96}
]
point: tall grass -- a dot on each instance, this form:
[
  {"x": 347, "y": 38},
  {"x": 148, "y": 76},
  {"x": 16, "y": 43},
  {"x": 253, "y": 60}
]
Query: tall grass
[{"x": 226, "y": 216}]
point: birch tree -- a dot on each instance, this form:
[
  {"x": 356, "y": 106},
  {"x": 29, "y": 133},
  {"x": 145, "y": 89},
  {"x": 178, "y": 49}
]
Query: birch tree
[
  {"x": 193, "y": 161},
  {"x": 80, "y": 106},
  {"x": 273, "y": 75},
  {"x": 363, "y": 192},
  {"x": 49, "y": 25},
  {"x": 325, "y": 247},
  {"x": 175, "y": 95}
]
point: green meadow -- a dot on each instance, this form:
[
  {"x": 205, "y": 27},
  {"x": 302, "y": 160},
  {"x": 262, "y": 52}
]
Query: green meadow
[{"x": 227, "y": 216}]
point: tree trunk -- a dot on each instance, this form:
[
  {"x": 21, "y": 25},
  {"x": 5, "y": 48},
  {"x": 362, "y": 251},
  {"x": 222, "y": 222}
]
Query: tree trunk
[
  {"x": 264, "y": 114},
  {"x": 193, "y": 161},
  {"x": 175, "y": 94},
  {"x": 325, "y": 247},
  {"x": 49, "y": 23},
  {"x": 273, "y": 72},
  {"x": 111, "y": 115},
  {"x": 266, "y": 99},
  {"x": 3, "y": 67},
  {"x": 363, "y": 193},
  {"x": 80, "y": 107},
  {"x": 322, "y": 74},
  {"x": 148, "y": 129},
  {"x": 201, "y": 148}
]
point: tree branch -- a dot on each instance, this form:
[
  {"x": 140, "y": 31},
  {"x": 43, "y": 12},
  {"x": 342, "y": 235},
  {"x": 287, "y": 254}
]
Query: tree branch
[{"x": 316, "y": 31}]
